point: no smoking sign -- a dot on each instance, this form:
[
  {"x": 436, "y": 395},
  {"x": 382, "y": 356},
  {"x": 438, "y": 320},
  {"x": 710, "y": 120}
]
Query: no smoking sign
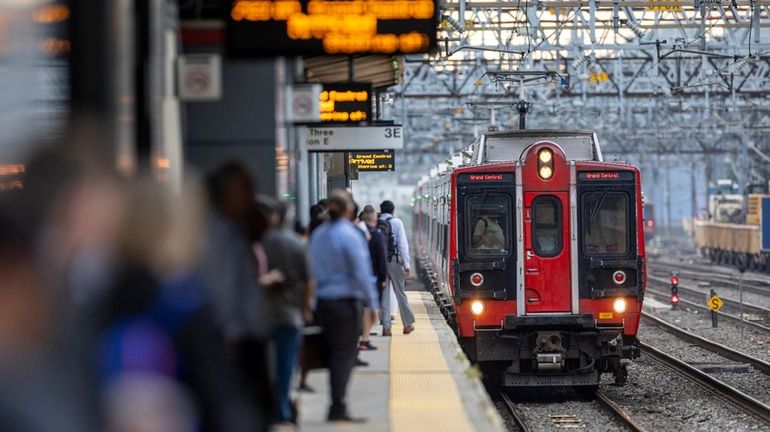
[{"x": 200, "y": 77}]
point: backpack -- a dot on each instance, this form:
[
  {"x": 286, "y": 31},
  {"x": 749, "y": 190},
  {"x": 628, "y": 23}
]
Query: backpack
[{"x": 384, "y": 226}]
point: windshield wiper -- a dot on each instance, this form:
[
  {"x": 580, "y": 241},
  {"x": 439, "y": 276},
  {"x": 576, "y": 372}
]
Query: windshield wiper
[
  {"x": 477, "y": 214},
  {"x": 595, "y": 210}
]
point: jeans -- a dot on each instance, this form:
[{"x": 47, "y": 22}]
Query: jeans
[{"x": 286, "y": 343}]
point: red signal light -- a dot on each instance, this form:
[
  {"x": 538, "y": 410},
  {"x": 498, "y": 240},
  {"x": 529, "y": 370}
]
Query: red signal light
[
  {"x": 674, "y": 280},
  {"x": 477, "y": 279},
  {"x": 619, "y": 277},
  {"x": 650, "y": 223},
  {"x": 674, "y": 298}
]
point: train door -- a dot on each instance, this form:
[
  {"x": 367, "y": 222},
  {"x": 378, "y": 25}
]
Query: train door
[{"x": 547, "y": 252}]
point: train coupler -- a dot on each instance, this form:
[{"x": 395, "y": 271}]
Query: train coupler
[{"x": 621, "y": 373}]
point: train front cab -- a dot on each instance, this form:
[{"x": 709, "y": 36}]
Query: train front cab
[{"x": 554, "y": 297}]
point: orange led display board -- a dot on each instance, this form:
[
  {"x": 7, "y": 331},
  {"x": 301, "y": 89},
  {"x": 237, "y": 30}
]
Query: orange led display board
[
  {"x": 313, "y": 27},
  {"x": 346, "y": 103}
]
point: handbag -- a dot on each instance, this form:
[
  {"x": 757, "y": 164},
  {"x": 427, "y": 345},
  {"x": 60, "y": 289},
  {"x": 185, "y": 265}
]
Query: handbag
[{"x": 313, "y": 348}]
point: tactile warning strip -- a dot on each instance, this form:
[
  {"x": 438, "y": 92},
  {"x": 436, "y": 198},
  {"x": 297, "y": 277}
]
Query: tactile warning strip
[{"x": 423, "y": 393}]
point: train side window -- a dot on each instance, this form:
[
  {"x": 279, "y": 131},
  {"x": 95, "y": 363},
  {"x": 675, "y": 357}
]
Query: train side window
[
  {"x": 488, "y": 231},
  {"x": 605, "y": 223},
  {"x": 547, "y": 226}
]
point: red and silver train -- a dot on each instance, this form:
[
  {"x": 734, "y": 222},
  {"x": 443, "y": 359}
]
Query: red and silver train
[{"x": 534, "y": 248}]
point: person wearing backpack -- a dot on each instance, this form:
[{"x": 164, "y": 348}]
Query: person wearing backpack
[{"x": 398, "y": 267}]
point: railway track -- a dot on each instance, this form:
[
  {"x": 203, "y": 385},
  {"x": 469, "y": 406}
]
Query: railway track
[
  {"x": 716, "y": 348},
  {"x": 759, "y": 315},
  {"x": 702, "y": 306},
  {"x": 571, "y": 420},
  {"x": 751, "y": 282},
  {"x": 719, "y": 389}
]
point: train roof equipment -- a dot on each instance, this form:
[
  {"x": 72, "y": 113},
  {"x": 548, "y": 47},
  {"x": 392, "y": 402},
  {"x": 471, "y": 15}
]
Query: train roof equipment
[{"x": 510, "y": 145}]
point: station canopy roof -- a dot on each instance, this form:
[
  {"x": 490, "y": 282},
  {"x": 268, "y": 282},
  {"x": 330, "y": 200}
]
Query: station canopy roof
[{"x": 379, "y": 70}]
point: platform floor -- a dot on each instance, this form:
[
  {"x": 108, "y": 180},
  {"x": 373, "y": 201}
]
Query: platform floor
[{"x": 417, "y": 382}]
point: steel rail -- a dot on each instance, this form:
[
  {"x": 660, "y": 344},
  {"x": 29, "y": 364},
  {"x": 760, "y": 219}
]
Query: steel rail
[
  {"x": 704, "y": 343},
  {"x": 702, "y": 271},
  {"x": 520, "y": 423},
  {"x": 754, "y": 287},
  {"x": 729, "y": 302},
  {"x": 619, "y": 412},
  {"x": 723, "y": 391},
  {"x": 699, "y": 306}
]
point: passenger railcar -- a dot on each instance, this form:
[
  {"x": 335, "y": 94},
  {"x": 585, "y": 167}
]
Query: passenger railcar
[{"x": 534, "y": 249}]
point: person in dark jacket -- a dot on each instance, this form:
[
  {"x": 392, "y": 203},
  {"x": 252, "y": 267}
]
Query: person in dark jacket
[{"x": 378, "y": 253}]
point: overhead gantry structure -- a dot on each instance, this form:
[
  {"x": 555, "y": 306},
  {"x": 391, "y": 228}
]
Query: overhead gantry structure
[{"x": 655, "y": 79}]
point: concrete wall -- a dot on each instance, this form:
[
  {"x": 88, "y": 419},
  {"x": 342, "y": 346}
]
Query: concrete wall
[{"x": 240, "y": 126}]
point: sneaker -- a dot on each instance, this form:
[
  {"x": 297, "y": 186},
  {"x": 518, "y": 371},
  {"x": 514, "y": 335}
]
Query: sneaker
[
  {"x": 408, "y": 329},
  {"x": 361, "y": 363},
  {"x": 366, "y": 346},
  {"x": 386, "y": 332}
]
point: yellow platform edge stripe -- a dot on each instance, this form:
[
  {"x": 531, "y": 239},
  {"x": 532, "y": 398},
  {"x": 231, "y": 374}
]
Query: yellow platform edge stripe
[{"x": 423, "y": 394}]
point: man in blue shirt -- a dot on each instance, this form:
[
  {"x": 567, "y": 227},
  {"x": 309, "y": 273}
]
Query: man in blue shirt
[
  {"x": 399, "y": 269},
  {"x": 343, "y": 273}
]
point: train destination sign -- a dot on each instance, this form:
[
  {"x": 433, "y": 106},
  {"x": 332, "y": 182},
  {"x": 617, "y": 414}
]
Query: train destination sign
[
  {"x": 486, "y": 177},
  {"x": 315, "y": 27},
  {"x": 351, "y": 138},
  {"x": 346, "y": 103},
  {"x": 384, "y": 160},
  {"x": 606, "y": 175}
]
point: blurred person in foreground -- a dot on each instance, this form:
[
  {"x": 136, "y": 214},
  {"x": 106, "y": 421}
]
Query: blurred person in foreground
[
  {"x": 230, "y": 276},
  {"x": 43, "y": 384},
  {"x": 377, "y": 253},
  {"x": 289, "y": 302},
  {"x": 343, "y": 273},
  {"x": 161, "y": 366},
  {"x": 399, "y": 267},
  {"x": 318, "y": 215}
]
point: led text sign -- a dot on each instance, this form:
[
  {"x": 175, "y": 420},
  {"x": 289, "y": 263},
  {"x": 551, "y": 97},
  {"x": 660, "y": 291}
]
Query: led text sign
[
  {"x": 606, "y": 175},
  {"x": 486, "y": 177},
  {"x": 314, "y": 27},
  {"x": 346, "y": 103},
  {"x": 383, "y": 160}
]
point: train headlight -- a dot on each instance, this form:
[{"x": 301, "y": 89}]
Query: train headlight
[
  {"x": 619, "y": 305},
  {"x": 477, "y": 307},
  {"x": 545, "y": 163},
  {"x": 546, "y": 172},
  {"x": 545, "y": 155}
]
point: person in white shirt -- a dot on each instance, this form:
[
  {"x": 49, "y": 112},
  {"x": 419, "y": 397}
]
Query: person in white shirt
[{"x": 399, "y": 267}]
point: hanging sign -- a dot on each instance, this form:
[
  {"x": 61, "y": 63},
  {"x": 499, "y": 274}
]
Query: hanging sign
[
  {"x": 384, "y": 160},
  {"x": 329, "y": 139},
  {"x": 316, "y": 27}
]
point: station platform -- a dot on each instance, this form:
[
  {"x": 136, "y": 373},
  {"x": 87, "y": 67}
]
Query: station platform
[{"x": 417, "y": 382}]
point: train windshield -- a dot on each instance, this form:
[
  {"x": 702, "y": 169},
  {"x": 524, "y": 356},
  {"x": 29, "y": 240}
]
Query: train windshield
[
  {"x": 605, "y": 218},
  {"x": 489, "y": 232}
]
